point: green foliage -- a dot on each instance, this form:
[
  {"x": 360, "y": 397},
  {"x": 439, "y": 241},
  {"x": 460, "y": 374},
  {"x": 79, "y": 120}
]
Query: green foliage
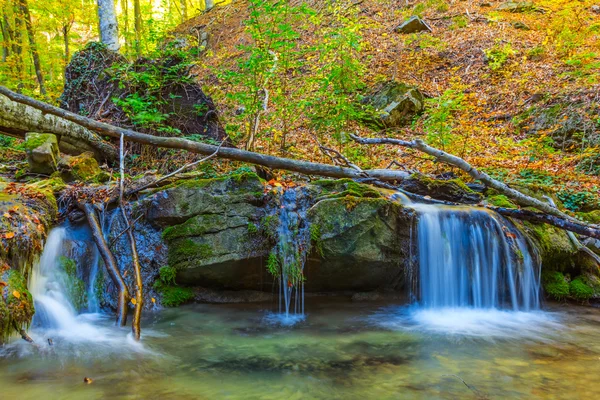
[
  {"x": 273, "y": 264},
  {"x": 439, "y": 117},
  {"x": 576, "y": 200},
  {"x": 7, "y": 141},
  {"x": 167, "y": 275},
  {"x": 555, "y": 285},
  {"x": 316, "y": 239},
  {"x": 498, "y": 56},
  {"x": 501, "y": 200},
  {"x": 252, "y": 229},
  {"x": 76, "y": 289},
  {"x": 580, "y": 290}
]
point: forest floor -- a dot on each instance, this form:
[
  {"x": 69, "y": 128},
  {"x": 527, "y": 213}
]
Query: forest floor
[{"x": 514, "y": 93}]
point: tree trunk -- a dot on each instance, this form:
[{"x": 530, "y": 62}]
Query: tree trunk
[
  {"x": 109, "y": 29},
  {"x": 109, "y": 262},
  {"x": 184, "y": 11},
  {"x": 137, "y": 16},
  {"x": 5, "y": 40},
  {"x": 125, "y": 7},
  {"x": 16, "y": 119},
  {"x": 305, "y": 167},
  {"x": 18, "y": 48},
  {"x": 67, "y": 55},
  {"x": 33, "y": 46}
]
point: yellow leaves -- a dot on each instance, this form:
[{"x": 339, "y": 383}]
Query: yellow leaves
[
  {"x": 8, "y": 235},
  {"x": 153, "y": 300},
  {"x": 133, "y": 301},
  {"x": 7, "y": 215},
  {"x": 16, "y": 294}
]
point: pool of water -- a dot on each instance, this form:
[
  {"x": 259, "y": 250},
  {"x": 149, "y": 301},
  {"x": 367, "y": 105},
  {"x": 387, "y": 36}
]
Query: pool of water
[{"x": 341, "y": 350}]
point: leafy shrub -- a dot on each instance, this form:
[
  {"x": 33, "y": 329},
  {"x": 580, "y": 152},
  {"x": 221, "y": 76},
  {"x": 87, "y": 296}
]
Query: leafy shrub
[
  {"x": 498, "y": 56},
  {"x": 555, "y": 285}
]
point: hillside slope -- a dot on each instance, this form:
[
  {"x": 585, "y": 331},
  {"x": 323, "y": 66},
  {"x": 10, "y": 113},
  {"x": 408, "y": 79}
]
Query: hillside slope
[{"x": 512, "y": 86}]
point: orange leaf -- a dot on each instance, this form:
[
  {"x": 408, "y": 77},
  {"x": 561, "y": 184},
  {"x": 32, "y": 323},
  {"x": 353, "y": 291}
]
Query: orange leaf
[
  {"x": 9, "y": 235},
  {"x": 153, "y": 300},
  {"x": 133, "y": 301},
  {"x": 17, "y": 294}
]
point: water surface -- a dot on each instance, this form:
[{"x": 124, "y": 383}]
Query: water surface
[{"x": 341, "y": 350}]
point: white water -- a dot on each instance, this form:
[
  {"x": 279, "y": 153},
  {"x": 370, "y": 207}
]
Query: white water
[{"x": 56, "y": 319}]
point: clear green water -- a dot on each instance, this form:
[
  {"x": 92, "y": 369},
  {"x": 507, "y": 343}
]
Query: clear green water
[{"x": 342, "y": 350}]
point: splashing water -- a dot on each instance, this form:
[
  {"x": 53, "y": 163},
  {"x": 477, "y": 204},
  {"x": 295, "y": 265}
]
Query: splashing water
[{"x": 291, "y": 249}]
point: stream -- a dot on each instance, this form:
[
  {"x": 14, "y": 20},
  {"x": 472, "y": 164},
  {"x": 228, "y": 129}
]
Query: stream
[{"x": 343, "y": 350}]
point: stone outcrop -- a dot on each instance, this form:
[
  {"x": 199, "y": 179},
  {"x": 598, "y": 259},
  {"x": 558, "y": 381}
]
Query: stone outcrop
[
  {"x": 412, "y": 25},
  {"x": 396, "y": 104},
  {"x": 42, "y": 152}
]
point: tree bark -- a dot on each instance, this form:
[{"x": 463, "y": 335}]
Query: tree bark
[
  {"x": 109, "y": 262},
  {"x": 5, "y": 39},
  {"x": 16, "y": 119},
  {"x": 518, "y": 197},
  {"x": 109, "y": 29},
  {"x": 137, "y": 21},
  {"x": 309, "y": 168},
  {"x": 184, "y": 12},
  {"x": 33, "y": 45},
  {"x": 304, "y": 167}
]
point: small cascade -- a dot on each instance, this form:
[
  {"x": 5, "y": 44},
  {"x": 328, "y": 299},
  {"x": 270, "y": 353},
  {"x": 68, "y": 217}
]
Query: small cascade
[
  {"x": 291, "y": 249},
  {"x": 472, "y": 257}
]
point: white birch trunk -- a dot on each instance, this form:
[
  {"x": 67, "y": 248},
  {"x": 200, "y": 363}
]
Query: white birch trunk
[{"x": 109, "y": 30}]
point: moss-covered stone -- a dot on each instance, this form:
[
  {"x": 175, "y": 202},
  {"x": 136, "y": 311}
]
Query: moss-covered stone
[
  {"x": 17, "y": 307},
  {"x": 83, "y": 168},
  {"x": 556, "y": 249},
  {"x": 42, "y": 152},
  {"x": 591, "y": 217},
  {"x": 454, "y": 190},
  {"x": 345, "y": 187},
  {"x": 501, "y": 200},
  {"x": 174, "y": 296},
  {"x": 555, "y": 285},
  {"x": 76, "y": 290}
]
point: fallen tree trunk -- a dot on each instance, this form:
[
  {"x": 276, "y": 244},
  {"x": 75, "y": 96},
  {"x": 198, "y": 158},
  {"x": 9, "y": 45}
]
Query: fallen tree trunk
[
  {"x": 442, "y": 156},
  {"x": 304, "y": 167},
  {"x": 16, "y": 119},
  {"x": 552, "y": 216},
  {"x": 109, "y": 262}
]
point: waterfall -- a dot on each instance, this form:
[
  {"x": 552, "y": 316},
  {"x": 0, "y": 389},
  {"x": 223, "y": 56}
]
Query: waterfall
[
  {"x": 471, "y": 257},
  {"x": 291, "y": 249},
  {"x": 49, "y": 286}
]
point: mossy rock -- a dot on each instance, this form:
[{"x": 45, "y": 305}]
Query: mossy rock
[
  {"x": 555, "y": 285},
  {"x": 501, "y": 200},
  {"x": 76, "y": 288},
  {"x": 174, "y": 296},
  {"x": 396, "y": 104},
  {"x": 42, "y": 152},
  {"x": 592, "y": 217},
  {"x": 453, "y": 190},
  {"x": 358, "y": 243},
  {"x": 83, "y": 168},
  {"x": 339, "y": 188},
  {"x": 556, "y": 249},
  {"x": 16, "y": 303}
]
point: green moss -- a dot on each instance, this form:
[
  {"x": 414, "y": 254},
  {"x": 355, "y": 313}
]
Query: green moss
[
  {"x": 580, "y": 290},
  {"x": 238, "y": 179},
  {"x": 346, "y": 187},
  {"x": 269, "y": 226},
  {"x": 76, "y": 290},
  {"x": 174, "y": 296},
  {"x": 316, "y": 239},
  {"x": 555, "y": 285},
  {"x": 194, "y": 226},
  {"x": 85, "y": 168},
  {"x": 35, "y": 140},
  {"x": 252, "y": 229},
  {"x": 16, "y": 303},
  {"x": 454, "y": 187},
  {"x": 592, "y": 216},
  {"x": 167, "y": 275},
  {"x": 187, "y": 249},
  {"x": 501, "y": 200}
]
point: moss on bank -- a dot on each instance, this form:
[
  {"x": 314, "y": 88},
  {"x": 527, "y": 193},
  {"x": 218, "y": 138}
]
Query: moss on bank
[
  {"x": 16, "y": 303},
  {"x": 171, "y": 294},
  {"x": 555, "y": 285},
  {"x": 76, "y": 290},
  {"x": 501, "y": 200}
]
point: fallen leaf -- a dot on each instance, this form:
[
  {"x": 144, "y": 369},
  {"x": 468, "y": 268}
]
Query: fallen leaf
[
  {"x": 9, "y": 235},
  {"x": 133, "y": 301},
  {"x": 17, "y": 294},
  {"x": 88, "y": 380},
  {"x": 2, "y": 284},
  {"x": 7, "y": 215},
  {"x": 153, "y": 300}
]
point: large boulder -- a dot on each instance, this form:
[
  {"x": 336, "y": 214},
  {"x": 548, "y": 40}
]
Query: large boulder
[
  {"x": 453, "y": 190},
  {"x": 360, "y": 244},
  {"x": 42, "y": 152},
  {"x": 396, "y": 104}
]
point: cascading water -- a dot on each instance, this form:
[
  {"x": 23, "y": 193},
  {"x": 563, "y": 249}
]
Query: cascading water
[
  {"x": 292, "y": 246},
  {"x": 471, "y": 258}
]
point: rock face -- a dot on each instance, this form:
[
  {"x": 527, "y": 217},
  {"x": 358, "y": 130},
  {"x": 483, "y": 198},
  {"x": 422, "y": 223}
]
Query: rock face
[
  {"x": 412, "y": 25},
  {"x": 42, "y": 152},
  {"x": 397, "y": 104},
  {"x": 448, "y": 190}
]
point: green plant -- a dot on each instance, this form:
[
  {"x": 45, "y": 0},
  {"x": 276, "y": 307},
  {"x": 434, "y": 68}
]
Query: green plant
[
  {"x": 167, "y": 275},
  {"x": 498, "y": 56},
  {"x": 577, "y": 200},
  {"x": 439, "y": 117},
  {"x": 555, "y": 285},
  {"x": 580, "y": 290},
  {"x": 273, "y": 264}
]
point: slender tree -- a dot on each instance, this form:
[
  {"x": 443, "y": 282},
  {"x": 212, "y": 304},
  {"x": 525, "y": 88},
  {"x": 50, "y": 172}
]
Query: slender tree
[
  {"x": 109, "y": 31},
  {"x": 137, "y": 16},
  {"x": 24, "y": 8}
]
